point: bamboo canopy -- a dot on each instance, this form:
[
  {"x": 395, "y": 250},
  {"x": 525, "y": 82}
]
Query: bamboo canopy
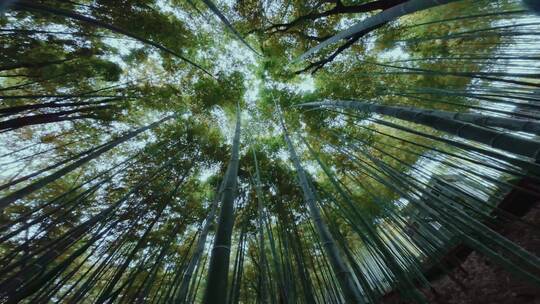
[{"x": 286, "y": 151}]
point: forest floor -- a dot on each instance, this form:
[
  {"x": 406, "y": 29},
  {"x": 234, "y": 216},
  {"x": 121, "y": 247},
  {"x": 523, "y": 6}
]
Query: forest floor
[{"x": 477, "y": 280}]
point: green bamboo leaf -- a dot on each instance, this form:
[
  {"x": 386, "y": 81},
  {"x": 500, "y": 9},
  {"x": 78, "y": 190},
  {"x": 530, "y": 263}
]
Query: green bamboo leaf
[{"x": 27, "y": 5}]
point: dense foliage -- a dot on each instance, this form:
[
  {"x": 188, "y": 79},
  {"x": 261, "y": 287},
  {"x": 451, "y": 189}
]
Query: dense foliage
[{"x": 168, "y": 151}]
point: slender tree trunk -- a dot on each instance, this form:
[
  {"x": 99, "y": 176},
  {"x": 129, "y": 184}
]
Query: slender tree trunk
[
  {"x": 260, "y": 222},
  {"x": 346, "y": 281},
  {"x": 19, "y": 109},
  {"x": 62, "y": 96},
  {"x": 27, "y": 287},
  {"x": 218, "y": 272},
  {"x": 387, "y": 15},
  {"x": 444, "y": 122},
  {"x": 108, "y": 294},
  {"x": 15, "y": 286},
  {"x": 225, "y": 21},
  {"x": 141, "y": 293},
  {"x": 199, "y": 249},
  {"x": 38, "y": 119},
  {"x": 33, "y": 64},
  {"x": 10, "y": 198},
  {"x": 338, "y": 9}
]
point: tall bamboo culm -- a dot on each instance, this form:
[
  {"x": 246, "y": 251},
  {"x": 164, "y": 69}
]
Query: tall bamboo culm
[
  {"x": 217, "y": 281},
  {"x": 351, "y": 292}
]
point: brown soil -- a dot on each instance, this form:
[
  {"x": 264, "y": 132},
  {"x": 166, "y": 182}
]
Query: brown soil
[{"x": 485, "y": 282}]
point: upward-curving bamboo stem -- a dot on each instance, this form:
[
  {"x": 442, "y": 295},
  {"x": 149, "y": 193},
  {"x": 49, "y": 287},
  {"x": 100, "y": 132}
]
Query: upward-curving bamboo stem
[
  {"x": 199, "y": 249},
  {"x": 260, "y": 224},
  {"x": 350, "y": 290},
  {"x": 372, "y": 22},
  {"x": 39, "y": 184},
  {"x": 218, "y": 272},
  {"x": 447, "y": 122}
]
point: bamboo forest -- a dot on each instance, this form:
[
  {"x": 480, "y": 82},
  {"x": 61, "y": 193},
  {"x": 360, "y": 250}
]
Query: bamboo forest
[{"x": 270, "y": 151}]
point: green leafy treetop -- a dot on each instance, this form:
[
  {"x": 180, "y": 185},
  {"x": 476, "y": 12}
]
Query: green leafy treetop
[{"x": 150, "y": 147}]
